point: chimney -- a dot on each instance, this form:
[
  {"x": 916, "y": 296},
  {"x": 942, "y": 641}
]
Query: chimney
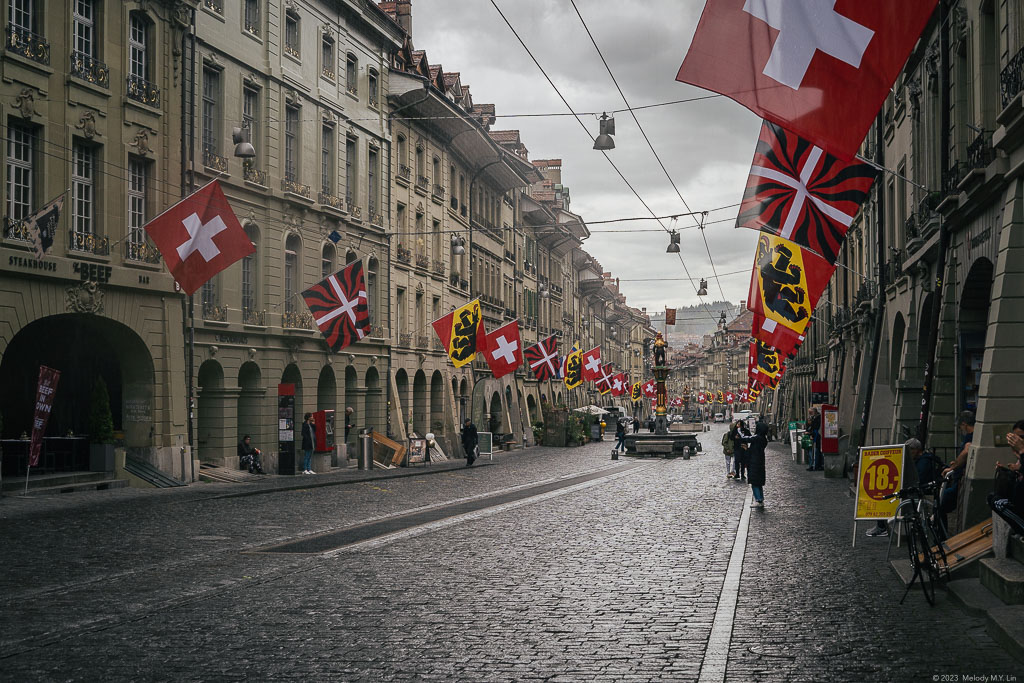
[
  {"x": 743, "y": 304},
  {"x": 403, "y": 12}
]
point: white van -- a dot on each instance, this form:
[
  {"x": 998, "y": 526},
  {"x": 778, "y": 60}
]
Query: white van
[{"x": 719, "y": 417}]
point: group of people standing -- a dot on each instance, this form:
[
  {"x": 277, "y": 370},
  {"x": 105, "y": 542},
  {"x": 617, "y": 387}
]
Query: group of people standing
[{"x": 744, "y": 456}]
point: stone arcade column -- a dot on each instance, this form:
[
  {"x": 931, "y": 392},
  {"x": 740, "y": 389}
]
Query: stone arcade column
[{"x": 1001, "y": 393}]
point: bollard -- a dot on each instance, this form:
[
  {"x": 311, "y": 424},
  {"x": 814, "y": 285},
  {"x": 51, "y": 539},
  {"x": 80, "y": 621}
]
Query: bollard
[
  {"x": 615, "y": 454},
  {"x": 366, "y": 449}
]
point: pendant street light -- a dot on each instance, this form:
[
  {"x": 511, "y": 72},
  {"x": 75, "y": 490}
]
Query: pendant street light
[
  {"x": 544, "y": 292},
  {"x": 673, "y": 243},
  {"x": 604, "y": 141},
  {"x": 458, "y": 245},
  {"x": 243, "y": 148},
  {"x": 703, "y": 291}
]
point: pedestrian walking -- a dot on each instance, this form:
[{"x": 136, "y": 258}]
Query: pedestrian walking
[
  {"x": 308, "y": 436},
  {"x": 620, "y": 435},
  {"x": 814, "y": 427},
  {"x": 741, "y": 450},
  {"x": 469, "y": 441},
  {"x": 350, "y": 421},
  {"x": 729, "y": 449},
  {"x": 755, "y": 461},
  {"x": 636, "y": 424}
]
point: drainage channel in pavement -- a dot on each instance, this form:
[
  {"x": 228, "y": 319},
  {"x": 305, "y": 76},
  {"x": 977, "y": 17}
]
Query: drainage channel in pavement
[{"x": 345, "y": 537}]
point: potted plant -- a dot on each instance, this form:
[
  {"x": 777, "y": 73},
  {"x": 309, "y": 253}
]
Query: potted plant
[{"x": 101, "y": 430}]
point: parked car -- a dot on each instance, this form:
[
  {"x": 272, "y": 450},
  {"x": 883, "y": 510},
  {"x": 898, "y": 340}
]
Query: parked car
[{"x": 719, "y": 417}]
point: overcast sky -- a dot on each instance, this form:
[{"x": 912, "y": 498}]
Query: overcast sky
[{"x": 706, "y": 145}]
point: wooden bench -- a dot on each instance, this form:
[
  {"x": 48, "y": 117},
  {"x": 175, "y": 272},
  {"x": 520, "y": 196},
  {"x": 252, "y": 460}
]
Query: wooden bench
[{"x": 509, "y": 445}]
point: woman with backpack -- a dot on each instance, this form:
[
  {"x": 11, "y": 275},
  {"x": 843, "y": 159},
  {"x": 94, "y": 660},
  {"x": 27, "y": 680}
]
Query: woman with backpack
[
  {"x": 740, "y": 450},
  {"x": 729, "y": 449}
]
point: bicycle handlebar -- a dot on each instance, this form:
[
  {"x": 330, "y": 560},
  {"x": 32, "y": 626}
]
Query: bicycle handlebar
[{"x": 912, "y": 492}]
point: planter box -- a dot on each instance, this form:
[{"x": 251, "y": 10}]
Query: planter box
[{"x": 101, "y": 457}]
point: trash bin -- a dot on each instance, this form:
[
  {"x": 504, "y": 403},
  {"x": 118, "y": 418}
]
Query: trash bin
[{"x": 366, "y": 449}]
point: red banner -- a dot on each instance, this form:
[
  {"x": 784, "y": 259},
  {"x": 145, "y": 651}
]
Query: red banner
[{"x": 48, "y": 378}]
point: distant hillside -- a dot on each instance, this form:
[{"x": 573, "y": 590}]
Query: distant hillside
[{"x": 694, "y": 321}]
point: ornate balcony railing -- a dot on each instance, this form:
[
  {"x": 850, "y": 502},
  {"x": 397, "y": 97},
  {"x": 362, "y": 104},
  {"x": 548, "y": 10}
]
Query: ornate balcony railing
[
  {"x": 378, "y": 332},
  {"x": 372, "y": 101},
  {"x": 214, "y": 161},
  {"x": 404, "y": 255},
  {"x": 423, "y": 341},
  {"x": 327, "y": 73},
  {"x": 143, "y": 91},
  {"x": 90, "y": 69},
  {"x": 252, "y": 26},
  {"x": 405, "y": 340},
  {"x": 294, "y": 187},
  {"x": 404, "y": 172},
  {"x": 910, "y": 230},
  {"x": 88, "y": 243},
  {"x": 422, "y": 182},
  {"x": 27, "y": 44},
  {"x": 422, "y": 261},
  {"x": 377, "y": 219},
  {"x": 215, "y": 6},
  {"x": 439, "y": 267},
  {"x": 510, "y": 256},
  {"x": 1011, "y": 78},
  {"x": 352, "y": 90},
  {"x": 253, "y": 174},
  {"x": 297, "y": 320},
  {"x": 216, "y": 313},
  {"x": 16, "y": 230},
  {"x": 438, "y": 191},
  {"x": 292, "y": 51},
  {"x": 952, "y": 176},
  {"x": 330, "y": 200},
  {"x": 253, "y": 317},
  {"x": 355, "y": 211},
  {"x": 141, "y": 251},
  {"x": 980, "y": 152},
  {"x": 435, "y": 344}
]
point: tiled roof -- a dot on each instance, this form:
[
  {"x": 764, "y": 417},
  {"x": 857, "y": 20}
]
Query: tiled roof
[
  {"x": 505, "y": 136},
  {"x": 434, "y": 70}
]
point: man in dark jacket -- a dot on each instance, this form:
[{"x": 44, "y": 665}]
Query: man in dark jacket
[
  {"x": 469, "y": 441},
  {"x": 755, "y": 461},
  {"x": 308, "y": 437},
  {"x": 814, "y": 429},
  {"x": 249, "y": 456}
]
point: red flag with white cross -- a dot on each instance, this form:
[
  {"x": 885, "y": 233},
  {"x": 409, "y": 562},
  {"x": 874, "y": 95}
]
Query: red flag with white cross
[
  {"x": 650, "y": 389},
  {"x": 820, "y": 68},
  {"x": 619, "y": 384},
  {"x": 592, "y": 364},
  {"x": 503, "y": 350},
  {"x": 199, "y": 237}
]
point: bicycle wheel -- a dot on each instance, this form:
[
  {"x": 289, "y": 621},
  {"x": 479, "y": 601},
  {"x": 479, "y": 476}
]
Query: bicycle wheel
[
  {"x": 928, "y": 564},
  {"x": 907, "y": 532}
]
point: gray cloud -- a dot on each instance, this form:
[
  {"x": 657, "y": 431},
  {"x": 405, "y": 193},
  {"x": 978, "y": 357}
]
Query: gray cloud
[{"x": 706, "y": 145}]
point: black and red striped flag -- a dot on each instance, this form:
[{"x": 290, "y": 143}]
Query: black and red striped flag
[
  {"x": 543, "y": 358},
  {"x": 799, "y": 192},
  {"x": 340, "y": 307}
]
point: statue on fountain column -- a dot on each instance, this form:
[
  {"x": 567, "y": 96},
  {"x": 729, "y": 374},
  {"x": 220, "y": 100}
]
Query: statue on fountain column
[{"x": 659, "y": 351}]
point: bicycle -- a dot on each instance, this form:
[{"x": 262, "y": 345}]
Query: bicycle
[{"x": 924, "y": 545}]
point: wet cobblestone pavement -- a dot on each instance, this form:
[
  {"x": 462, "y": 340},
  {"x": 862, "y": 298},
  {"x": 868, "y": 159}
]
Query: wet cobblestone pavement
[{"x": 615, "y": 578}]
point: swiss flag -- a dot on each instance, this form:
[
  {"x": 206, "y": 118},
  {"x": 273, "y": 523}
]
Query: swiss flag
[
  {"x": 821, "y": 68},
  {"x": 650, "y": 389},
  {"x": 592, "y": 364},
  {"x": 199, "y": 237},
  {"x": 619, "y": 384},
  {"x": 502, "y": 349},
  {"x": 729, "y": 397}
]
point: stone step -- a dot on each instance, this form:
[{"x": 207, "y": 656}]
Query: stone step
[
  {"x": 56, "y": 479},
  {"x": 1004, "y": 577},
  {"x": 98, "y": 485},
  {"x": 1006, "y": 626},
  {"x": 1016, "y": 548},
  {"x": 973, "y": 597}
]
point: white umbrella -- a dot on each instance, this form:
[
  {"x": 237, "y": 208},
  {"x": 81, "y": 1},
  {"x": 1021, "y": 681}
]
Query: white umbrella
[{"x": 592, "y": 410}]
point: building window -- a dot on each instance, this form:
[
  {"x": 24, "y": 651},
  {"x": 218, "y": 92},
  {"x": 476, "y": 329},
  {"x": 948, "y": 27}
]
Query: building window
[
  {"x": 371, "y": 289},
  {"x": 400, "y": 310},
  {"x": 372, "y": 183},
  {"x": 291, "y": 272},
  {"x": 291, "y": 147},
  {"x": 421, "y": 167},
  {"x": 291, "y": 34},
  {"x": 327, "y": 57},
  {"x": 400, "y": 218},
  {"x": 138, "y": 63},
  {"x": 208, "y": 298},
  {"x": 84, "y": 27},
  {"x": 138, "y": 186},
  {"x": 211, "y": 113},
  {"x": 250, "y": 120},
  {"x": 327, "y": 160},
  {"x": 83, "y": 189},
  {"x": 327, "y": 261},
  {"x": 252, "y": 16},
  {"x": 22, "y": 14},
  {"x": 21, "y": 143},
  {"x": 371, "y": 86},
  {"x": 402, "y": 150},
  {"x": 351, "y": 74},
  {"x": 249, "y": 273},
  {"x": 350, "y": 171}
]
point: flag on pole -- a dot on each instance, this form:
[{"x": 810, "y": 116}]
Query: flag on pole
[
  {"x": 592, "y": 364},
  {"x": 573, "y": 369},
  {"x": 46, "y": 389},
  {"x": 199, "y": 237},
  {"x": 543, "y": 358},
  {"x": 619, "y": 384},
  {"x": 461, "y": 333},
  {"x": 650, "y": 389},
  {"x": 41, "y": 225},
  {"x": 787, "y": 282},
  {"x": 635, "y": 393},
  {"x": 502, "y": 349},
  {"x": 604, "y": 382},
  {"x": 340, "y": 307},
  {"x": 670, "y": 316}
]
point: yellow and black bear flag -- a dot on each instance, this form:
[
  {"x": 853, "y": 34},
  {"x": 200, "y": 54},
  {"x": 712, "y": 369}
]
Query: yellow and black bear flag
[{"x": 460, "y": 332}]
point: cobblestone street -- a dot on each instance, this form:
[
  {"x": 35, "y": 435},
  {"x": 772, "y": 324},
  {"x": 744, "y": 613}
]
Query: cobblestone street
[{"x": 616, "y": 577}]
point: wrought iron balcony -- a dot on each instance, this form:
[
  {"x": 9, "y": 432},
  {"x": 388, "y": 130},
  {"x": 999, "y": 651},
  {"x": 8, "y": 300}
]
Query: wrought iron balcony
[
  {"x": 297, "y": 320},
  {"x": 404, "y": 173},
  {"x": 215, "y": 6},
  {"x": 405, "y": 340},
  {"x": 439, "y": 267},
  {"x": 214, "y": 161},
  {"x": 16, "y": 230},
  {"x": 422, "y": 182},
  {"x": 88, "y": 243},
  {"x": 952, "y": 176},
  {"x": 289, "y": 185},
  {"x": 330, "y": 200},
  {"x": 378, "y": 332},
  {"x": 423, "y": 341},
  {"x": 27, "y": 44},
  {"x": 253, "y": 317},
  {"x": 141, "y": 251},
  {"x": 422, "y": 261},
  {"x": 253, "y": 174},
  {"x": 438, "y": 191},
  {"x": 90, "y": 69},
  {"x": 252, "y": 26},
  {"x": 1011, "y": 78},
  {"x": 435, "y": 344},
  {"x": 355, "y": 211},
  {"x": 215, "y": 313},
  {"x": 404, "y": 255},
  {"x": 510, "y": 256},
  {"x": 141, "y": 90},
  {"x": 980, "y": 152}
]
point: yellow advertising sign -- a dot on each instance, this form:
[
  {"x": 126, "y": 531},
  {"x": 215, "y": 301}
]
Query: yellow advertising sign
[{"x": 880, "y": 474}]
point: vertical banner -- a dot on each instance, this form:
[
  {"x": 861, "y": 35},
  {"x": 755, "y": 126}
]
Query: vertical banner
[
  {"x": 286, "y": 429},
  {"x": 829, "y": 429},
  {"x": 45, "y": 390}
]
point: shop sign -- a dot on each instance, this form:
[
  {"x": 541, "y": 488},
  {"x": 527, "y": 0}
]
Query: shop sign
[{"x": 880, "y": 474}]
